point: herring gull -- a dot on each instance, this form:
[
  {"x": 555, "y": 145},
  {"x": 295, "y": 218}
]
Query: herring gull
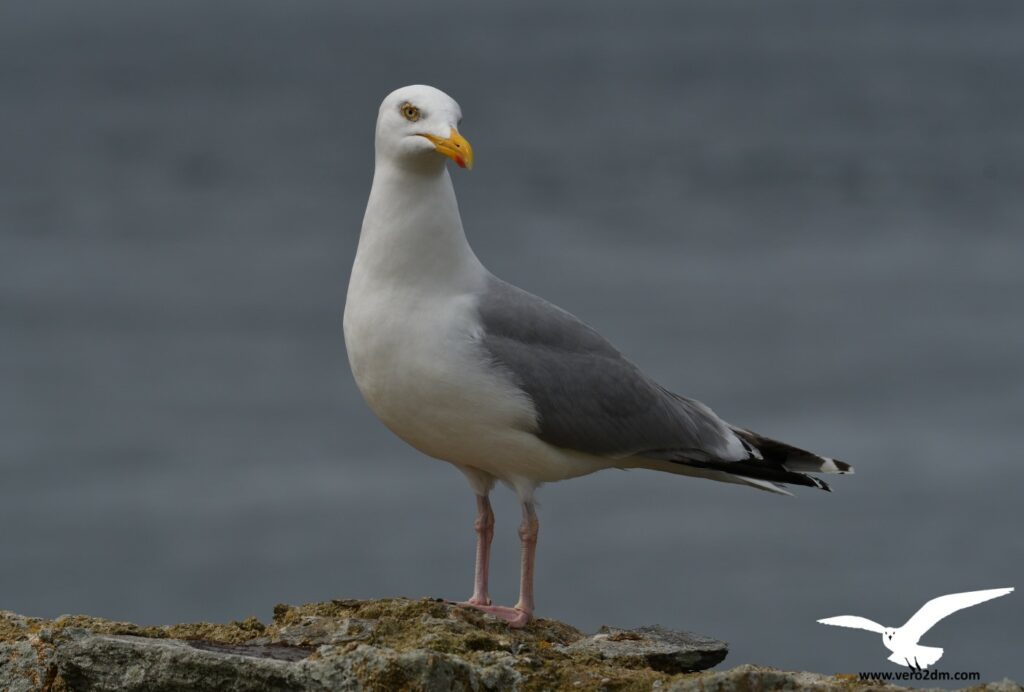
[{"x": 505, "y": 386}]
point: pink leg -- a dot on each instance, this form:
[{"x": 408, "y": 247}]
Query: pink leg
[
  {"x": 528, "y": 531},
  {"x": 484, "y": 526},
  {"x": 523, "y": 612}
]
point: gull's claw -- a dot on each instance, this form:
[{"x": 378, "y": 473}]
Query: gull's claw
[{"x": 516, "y": 618}]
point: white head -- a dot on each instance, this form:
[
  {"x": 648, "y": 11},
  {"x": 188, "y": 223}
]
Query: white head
[
  {"x": 417, "y": 123},
  {"x": 887, "y": 634}
]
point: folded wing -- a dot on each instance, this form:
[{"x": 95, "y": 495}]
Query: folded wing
[{"x": 591, "y": 399}]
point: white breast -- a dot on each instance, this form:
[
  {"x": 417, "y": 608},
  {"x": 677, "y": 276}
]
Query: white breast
[
  {"x": 412, "y": 333},
  {"x": 417, "y": 362}
]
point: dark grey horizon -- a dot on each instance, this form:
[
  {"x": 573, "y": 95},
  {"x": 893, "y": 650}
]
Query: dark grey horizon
[{"x": 809, "y": 216}]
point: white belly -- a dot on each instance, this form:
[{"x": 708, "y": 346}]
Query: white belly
[{"x": 418, "y": 363}]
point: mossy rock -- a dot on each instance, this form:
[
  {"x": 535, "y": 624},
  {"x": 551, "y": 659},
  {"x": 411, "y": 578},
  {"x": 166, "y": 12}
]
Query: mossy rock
[{"x": 387, "y": 644}]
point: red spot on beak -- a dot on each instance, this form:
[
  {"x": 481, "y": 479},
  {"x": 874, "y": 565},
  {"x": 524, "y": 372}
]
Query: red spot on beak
[{"x": 459, "y": 160}]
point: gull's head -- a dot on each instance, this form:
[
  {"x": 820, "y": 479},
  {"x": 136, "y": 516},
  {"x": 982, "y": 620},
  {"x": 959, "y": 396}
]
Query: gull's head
[
  {"x": 417, "y": 127},
  {"x": 888, "y": 633}
]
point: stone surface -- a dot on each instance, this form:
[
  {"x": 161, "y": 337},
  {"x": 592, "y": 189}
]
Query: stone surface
[
  {"x": 747, "y": 677},
  {"x": 654, "y": 647},
  {"x": 376, "y": 645}
]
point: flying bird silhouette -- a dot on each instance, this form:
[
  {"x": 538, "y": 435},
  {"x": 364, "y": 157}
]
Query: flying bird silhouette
[
  {"x": 500, "y": 383},
  {"x": 902, "y": 641}
]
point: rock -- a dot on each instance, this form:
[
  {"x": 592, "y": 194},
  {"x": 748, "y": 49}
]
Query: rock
[
  {"x": 748, "y": 677},
  {"x": 375, "y": 645},
  {"x": 657, "y": 648},
  {"x": 124, "y": 662}
]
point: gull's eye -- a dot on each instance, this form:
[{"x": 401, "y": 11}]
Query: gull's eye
[{"x": 410, "y": 112}]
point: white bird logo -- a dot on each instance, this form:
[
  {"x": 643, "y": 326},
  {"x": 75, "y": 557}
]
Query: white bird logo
[{"x": 902, "y": 641}]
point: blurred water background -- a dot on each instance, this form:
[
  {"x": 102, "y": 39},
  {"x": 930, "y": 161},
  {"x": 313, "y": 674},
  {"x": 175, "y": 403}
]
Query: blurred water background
[{"x": 808, "y": 215}]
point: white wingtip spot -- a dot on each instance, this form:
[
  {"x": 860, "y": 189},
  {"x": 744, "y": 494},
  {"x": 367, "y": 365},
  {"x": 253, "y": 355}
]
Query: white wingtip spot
[{"x": 830, "y": 466}]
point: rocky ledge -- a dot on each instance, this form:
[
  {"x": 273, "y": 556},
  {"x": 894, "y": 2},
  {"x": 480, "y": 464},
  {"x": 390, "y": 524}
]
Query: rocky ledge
[{"x": 390, "y": 644}]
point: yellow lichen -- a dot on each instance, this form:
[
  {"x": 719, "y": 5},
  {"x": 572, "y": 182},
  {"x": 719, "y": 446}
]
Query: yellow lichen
[{"x": 437, "y": 627}]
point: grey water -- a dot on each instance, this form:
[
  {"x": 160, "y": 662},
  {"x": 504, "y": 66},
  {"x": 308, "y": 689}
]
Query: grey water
[{"x": 808, "y": 215}]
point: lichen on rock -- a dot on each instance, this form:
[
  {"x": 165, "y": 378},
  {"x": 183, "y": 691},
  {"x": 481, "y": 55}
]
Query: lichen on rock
[{"x": 387, "y": 644}]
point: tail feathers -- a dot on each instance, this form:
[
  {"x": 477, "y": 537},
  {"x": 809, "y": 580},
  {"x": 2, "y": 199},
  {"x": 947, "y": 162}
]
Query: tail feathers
[
  {"x": 775, "y": 462},
  {"x": 764, "y": 471},
  {"x": 791, "y": 458},
  {"x": 767, "y": 486},
  {"x": 768, "y": 464},
  {"x": 685, "y": 469}
]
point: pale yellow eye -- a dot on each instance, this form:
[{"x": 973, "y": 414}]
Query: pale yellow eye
[{"x": 410, "y": 112}]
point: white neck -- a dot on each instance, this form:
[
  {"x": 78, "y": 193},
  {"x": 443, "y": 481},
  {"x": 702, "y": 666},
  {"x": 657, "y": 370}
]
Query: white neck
[{"x": 412, "y": 232}]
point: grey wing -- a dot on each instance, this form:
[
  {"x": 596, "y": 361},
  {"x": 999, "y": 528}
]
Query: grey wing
[{"x": 588, "y": 397}]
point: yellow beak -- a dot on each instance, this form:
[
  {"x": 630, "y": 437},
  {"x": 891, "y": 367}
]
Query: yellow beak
[{"x": 454, "y": 147}]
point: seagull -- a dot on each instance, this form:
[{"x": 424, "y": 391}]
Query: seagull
[
  {"x": 471, "y": 370},
  {"x": 902, "y": 641}
]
